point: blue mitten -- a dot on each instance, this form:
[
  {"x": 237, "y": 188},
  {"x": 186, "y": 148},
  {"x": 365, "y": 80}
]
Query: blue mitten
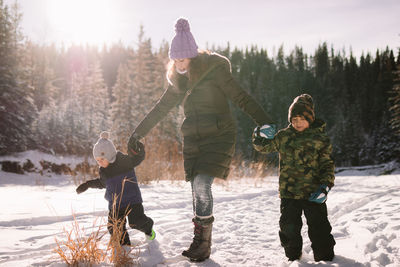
[
  {"x": 320, "y": 195},
  {"x": 267, "y": 131}
]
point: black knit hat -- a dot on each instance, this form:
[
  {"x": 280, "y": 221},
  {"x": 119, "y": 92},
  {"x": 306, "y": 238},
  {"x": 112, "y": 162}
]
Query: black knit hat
[{"x": 303, "y": 105}]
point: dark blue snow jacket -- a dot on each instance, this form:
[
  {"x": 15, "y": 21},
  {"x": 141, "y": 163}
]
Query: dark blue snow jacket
[{"x": 120, "y": 180}]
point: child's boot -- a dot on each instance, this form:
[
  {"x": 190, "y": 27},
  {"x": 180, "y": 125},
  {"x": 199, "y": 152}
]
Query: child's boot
[
  {"x": 151, "y": 235},
  {"x": 147, "y": 228},
  {"x": 324, "y": 255}
]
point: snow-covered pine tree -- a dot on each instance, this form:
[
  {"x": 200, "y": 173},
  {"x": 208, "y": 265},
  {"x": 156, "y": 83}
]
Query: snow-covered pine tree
[
  {"x": 62, "y": 127},
  {"x": 17, "y": 110},
  {"x": 40, "y": 75},
  {"x": 94, "y": 104},
  {"x": 124, "y": 111},
  {"x": 83, "y": 112},
  {"x": 74, "y": 136},
  {"x": 395, "y": 101},
  {"x": 142, "y": 70},
  {"x": 49, "y": 128},
  {"x": 98, "y": 106},
  {"x": 111, "y": 58}
]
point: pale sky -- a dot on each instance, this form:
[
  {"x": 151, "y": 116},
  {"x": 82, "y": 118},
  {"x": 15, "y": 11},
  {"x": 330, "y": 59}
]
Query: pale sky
[{"x": 362, "y": 25}]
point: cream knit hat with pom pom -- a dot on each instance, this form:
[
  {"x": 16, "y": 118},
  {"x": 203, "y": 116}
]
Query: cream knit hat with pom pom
[{"x": 104, "y": 148}]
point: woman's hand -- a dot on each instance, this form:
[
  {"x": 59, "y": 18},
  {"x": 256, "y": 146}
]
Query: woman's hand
[{"x": 133, "y": 145}]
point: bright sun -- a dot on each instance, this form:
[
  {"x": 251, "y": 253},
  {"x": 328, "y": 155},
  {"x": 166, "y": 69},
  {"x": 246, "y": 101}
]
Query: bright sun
[{"x": 82, "y": 21}]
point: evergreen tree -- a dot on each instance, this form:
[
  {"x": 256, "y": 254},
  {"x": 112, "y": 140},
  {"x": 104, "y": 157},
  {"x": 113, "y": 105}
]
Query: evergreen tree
[
  {"x": 39, "y": 74},
  {"x": 94, "y": 105},
  {"x": 17, "y": 110},
  {"x": 75, "y": 139},
  {"x": 367, "y": 83},
  {"x": 73, "y": 89},
  {"x": 281, "y": 98},
  {"x": 142, "y": 70},
  {"x": 49, "y": 129},
  {"x": 123, "y": 109},
  {"x": 73, "y": 125},
  {"x": 112, "y": 58},
  {"x": 395, "y": 102}
]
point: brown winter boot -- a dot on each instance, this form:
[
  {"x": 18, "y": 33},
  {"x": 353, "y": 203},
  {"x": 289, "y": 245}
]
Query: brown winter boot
[{"x": 200, "y": 249}]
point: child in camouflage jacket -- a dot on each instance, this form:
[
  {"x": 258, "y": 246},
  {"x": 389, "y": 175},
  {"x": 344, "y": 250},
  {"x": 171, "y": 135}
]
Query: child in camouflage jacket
[{"x": 306, "y": 174}]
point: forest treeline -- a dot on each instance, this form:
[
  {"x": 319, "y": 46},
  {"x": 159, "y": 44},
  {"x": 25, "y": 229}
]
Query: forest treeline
[{"x": 58, "y": 99}]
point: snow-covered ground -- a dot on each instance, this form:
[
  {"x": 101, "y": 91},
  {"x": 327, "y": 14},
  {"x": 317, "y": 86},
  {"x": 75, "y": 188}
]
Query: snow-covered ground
[{"x": 364, "y": 210}]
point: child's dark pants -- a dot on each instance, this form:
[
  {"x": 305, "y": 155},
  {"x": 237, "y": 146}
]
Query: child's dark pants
[
  {"x": 319, "y": 229},
  {"x": 137, "y": 220}
]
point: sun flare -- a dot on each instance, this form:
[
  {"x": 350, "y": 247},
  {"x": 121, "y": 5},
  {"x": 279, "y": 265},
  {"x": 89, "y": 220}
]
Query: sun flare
[{"x": 82, "y": 22}]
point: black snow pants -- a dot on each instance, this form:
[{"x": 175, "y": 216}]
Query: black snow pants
[
  {"x": 319, "y": 229},
  {"x": 137, "y": 220}
]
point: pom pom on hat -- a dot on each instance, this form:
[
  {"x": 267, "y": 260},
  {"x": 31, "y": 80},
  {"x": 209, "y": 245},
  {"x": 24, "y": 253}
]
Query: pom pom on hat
[
  {"x": 104, "y": 134},
  {"x": 182, "y": 25},
  {"x": 183, "y": 44},
  {"x": 303, "y": 105},
  {"x": 104, "y": 148}
]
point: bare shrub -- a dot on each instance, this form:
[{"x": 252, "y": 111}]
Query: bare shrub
[
  {"x": 164, "y": 160},
  {"x": 79, "y": 247},
  {"x": 118, "y": 255},
  {"x": 84, "y": 171}
]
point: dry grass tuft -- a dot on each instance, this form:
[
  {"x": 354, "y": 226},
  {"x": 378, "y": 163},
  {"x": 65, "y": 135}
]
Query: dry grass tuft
[
  {"x": 164, "y": 160},
  {"x": 80, "y": 248},
  {"x": 119, "y": 256}
]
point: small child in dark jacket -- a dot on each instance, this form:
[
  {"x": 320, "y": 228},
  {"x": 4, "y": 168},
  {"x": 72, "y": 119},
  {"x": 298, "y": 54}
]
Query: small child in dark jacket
[
  {"x": 306, "y": 174},
  {"x": 117, "y": 176}
]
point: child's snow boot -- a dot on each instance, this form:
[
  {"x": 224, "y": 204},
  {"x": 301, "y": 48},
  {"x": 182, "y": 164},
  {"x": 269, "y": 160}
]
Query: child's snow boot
[
  {"x": 327, "y": 255},
  {"x": 151, "y": 236},
  {"x": 200, "y": 249}
]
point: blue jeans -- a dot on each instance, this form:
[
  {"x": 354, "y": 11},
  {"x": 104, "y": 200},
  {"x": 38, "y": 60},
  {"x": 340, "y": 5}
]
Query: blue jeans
[{"x": 202, "y": 196}]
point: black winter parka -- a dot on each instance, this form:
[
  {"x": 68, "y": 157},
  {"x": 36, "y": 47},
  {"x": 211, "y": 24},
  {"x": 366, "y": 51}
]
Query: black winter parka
[{"x": 209, "y": 131}]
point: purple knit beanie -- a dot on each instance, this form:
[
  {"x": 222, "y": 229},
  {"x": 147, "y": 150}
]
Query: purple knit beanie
[{"x": 183, "y": 44}]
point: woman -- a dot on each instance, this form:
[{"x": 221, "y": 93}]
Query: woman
[{"x": 202, "y": 82}]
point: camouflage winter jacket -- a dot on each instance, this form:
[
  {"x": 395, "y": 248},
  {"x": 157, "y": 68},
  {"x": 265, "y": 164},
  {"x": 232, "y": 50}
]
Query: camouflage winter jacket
[{"x": 305, "y": 160}]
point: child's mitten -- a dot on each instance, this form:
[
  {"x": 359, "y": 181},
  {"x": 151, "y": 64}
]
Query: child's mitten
[
  {"x": 262, "y": 134},
  {"x": 320, "y": 195},
  {"x": 82, "y": 188},
  {"x": 267, "y": 131}
]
